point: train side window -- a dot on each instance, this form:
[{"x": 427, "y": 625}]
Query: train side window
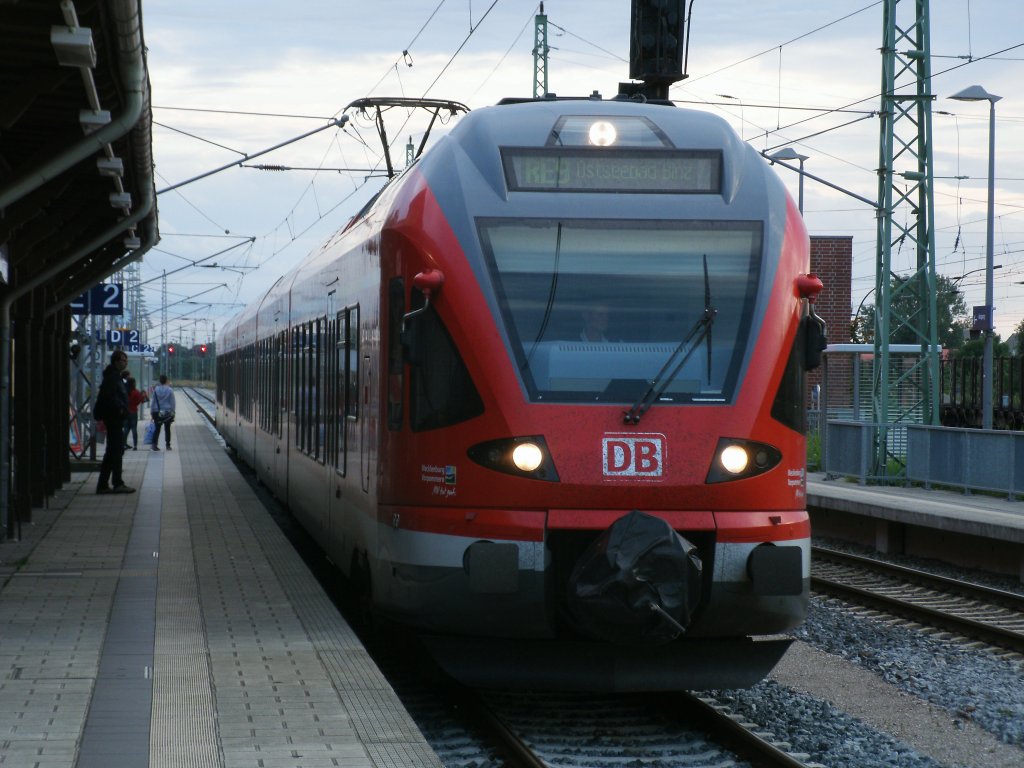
[
  {"x": 310, "y": 372},
  {"x": 396, "y": 361},
  {"x": 298, "y": 341},
  {"x": 442, "y": 392},
  {"x": 268, "y": 403},
  {"x": 247, "y": 384},
  {"x": 340, "y": 379},
  {"x": 352, "y": 365},
  {"x": 278, "y": 382},
  {"x": 249, "y": 394},
  {"x": 319, "y": 364},
  {"x": 262, "y": 386},
  {"x": 328, "y": 360}
]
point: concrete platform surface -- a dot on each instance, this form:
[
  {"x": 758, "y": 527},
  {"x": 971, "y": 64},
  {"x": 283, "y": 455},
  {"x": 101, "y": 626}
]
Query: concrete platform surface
[{"x": 177, "y": 627}]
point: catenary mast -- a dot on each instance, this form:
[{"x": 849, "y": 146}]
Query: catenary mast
[{"x": 902, "y": 394}]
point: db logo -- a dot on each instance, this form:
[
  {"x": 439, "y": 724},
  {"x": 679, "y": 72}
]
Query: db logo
[{"x": 631, "y": 454}]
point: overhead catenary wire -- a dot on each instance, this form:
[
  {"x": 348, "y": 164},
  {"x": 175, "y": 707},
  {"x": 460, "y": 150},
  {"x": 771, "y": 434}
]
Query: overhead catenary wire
[
  {"x": 293, "y": 228},
  {"x": 588, "y": 42}
]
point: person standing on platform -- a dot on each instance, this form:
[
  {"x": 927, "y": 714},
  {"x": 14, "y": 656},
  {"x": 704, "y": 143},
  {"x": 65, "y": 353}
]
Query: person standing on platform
[
  {"x": 112, "y": 409},
  {"x": 161, "y": 408},
  {"x": 131, "y": 424}
]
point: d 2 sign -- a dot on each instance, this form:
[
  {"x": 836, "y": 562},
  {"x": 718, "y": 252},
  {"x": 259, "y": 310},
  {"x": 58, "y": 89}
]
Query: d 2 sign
[{"x": 636, "y": 455}]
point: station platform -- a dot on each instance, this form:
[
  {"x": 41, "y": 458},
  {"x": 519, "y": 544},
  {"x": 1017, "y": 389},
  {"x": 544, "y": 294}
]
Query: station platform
[
  {"x": 981, "y": 530},
  {"x": 176, "y": 626}
]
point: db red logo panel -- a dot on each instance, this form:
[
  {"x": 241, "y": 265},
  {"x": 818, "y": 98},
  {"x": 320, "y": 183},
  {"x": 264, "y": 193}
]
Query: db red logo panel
[{"x": 634, "y": 455}]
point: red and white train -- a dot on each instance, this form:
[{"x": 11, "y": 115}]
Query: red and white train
[{"x": 543, "y": 398}]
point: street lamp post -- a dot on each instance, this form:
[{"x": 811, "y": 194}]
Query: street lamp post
[
  {"x": 788, "y": 153},
  {"x": 977, "y": 93}
]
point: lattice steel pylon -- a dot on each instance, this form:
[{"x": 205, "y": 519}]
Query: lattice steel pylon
[
  {"x": 540, "y": 54},
  {"x": 906, "y": 220}
]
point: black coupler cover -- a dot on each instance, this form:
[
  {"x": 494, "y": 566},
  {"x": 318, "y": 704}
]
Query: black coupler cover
[{"x": 636, "y": 567}]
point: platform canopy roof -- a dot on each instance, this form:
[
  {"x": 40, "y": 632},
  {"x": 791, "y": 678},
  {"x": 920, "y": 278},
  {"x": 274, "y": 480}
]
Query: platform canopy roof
[{"x": 77, "y": 197}]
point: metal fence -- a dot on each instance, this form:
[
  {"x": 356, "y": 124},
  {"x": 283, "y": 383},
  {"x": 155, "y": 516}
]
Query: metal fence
[
  {"x": 971, "y": 459},
  {"x": 975, "y": 459},
  {"x": 846, "y": 434}
]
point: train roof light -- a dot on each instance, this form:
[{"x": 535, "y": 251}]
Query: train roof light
[
  {"x": 602, "y": 133},
  {"x": 607, "y": 130}
]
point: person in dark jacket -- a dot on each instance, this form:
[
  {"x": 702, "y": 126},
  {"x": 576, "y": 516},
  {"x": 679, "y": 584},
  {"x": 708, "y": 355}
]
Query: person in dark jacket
[{"x": 113, "y": 406}]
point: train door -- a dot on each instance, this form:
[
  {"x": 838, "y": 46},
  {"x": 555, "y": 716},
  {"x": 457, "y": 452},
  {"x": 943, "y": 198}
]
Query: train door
[
  {"x": 279, "y": 413},
  {"x": 344, "y": 394},
  {"x": 335, "y": 424},
  {"x": 364, "y": 436}
]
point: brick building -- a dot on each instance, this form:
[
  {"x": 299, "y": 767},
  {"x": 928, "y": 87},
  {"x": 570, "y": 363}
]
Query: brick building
[{"x": 832, "y": 261}]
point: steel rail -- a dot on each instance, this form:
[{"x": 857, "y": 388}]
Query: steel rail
[{"x": 991, "y": 632}]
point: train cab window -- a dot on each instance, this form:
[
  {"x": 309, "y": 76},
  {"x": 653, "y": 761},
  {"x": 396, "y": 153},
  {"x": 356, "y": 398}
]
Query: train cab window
[
  {"x": 790, "y": 403},
  {"x": 594, "y": 309},
  {"x": 441, "y": 390}
]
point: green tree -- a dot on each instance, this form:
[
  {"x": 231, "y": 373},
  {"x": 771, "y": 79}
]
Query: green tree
[
  {"x": 976, "y": 348},
  {"x": 1019, "y": 333},
  {"x": 952, "y": 318}
]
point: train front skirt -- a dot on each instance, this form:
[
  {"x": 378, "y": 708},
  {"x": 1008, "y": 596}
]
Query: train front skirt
[{"x": 692, "y": 664}]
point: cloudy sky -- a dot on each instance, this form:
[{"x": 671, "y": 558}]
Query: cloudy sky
[{"x": 230, "y": 80}]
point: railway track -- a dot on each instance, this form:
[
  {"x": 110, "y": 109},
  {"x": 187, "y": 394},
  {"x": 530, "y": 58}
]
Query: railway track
[
  {"x": 203, "y": 401},
  {"x": 538, "y": 730},
  {"x": 991, "y": 615}
]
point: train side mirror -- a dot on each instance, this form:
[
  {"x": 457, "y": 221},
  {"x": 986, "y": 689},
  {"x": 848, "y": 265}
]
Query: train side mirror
[
  {"x": 427, "y": 282},
  {"x": 808, "y": 287},
  {"x": 814, "y": 339}
]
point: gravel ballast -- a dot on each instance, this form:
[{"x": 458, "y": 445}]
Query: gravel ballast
[{"x": 855, "y": 690}]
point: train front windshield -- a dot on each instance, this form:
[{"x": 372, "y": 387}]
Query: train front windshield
[{"x": 594, "y": 309}]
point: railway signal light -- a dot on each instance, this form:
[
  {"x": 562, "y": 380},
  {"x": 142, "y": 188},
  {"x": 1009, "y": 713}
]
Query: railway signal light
[
  {"x": 202, "y": 349},
  {"x": 170, "y": 349},
  {"x": 658, "y": 42}
]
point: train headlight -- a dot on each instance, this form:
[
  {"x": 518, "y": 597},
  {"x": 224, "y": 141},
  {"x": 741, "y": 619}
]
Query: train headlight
[
  {"x": 602, "y": 134},
  {"x": 527, "y": 456},
  {"x": 520, "y": 456},
  {"x": 736, "y": 459}
]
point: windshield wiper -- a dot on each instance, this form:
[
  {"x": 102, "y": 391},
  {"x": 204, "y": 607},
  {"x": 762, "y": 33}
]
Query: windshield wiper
[
  {"x": 701, "y": 331},
  {"x": 552, "y": 290}
]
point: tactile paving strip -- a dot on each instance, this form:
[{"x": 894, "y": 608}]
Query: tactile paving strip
[
  {"x": 291, "y": 682},
  {"x": 184, "y": 726}
]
